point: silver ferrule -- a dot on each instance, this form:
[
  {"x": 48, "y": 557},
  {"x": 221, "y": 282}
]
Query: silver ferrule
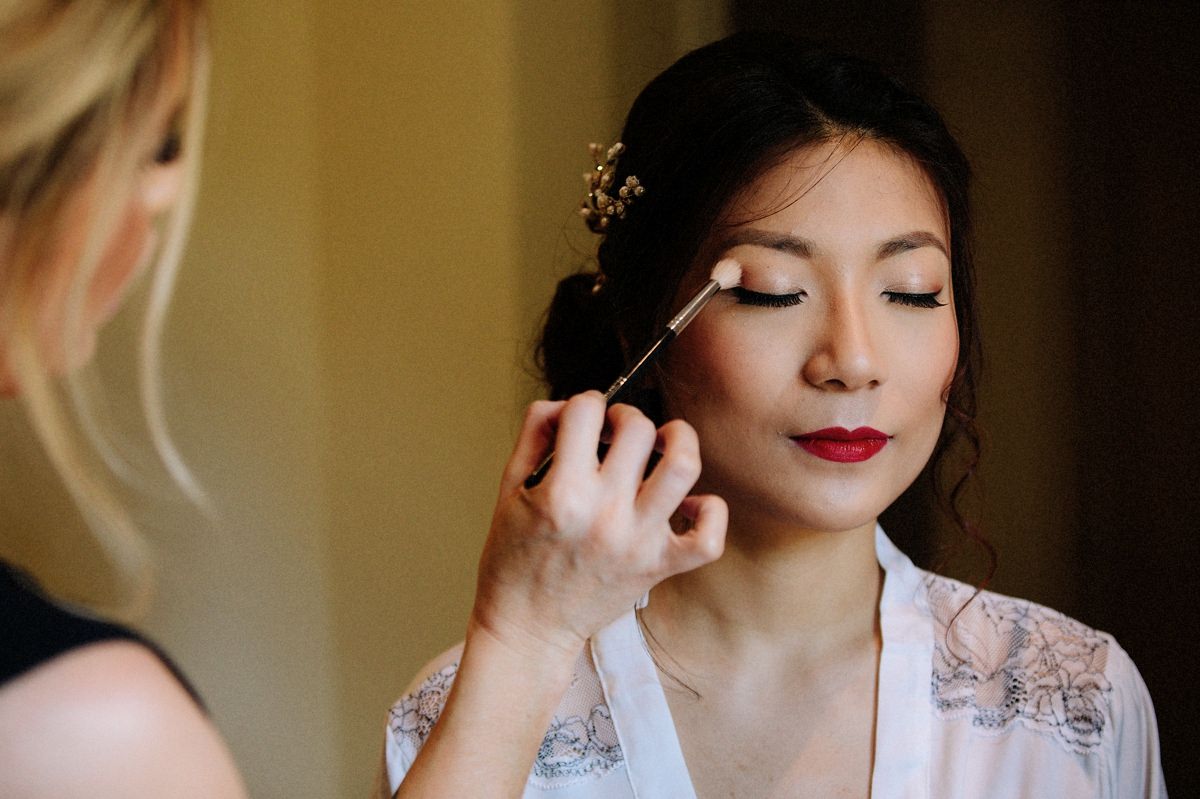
[
  {"x": 684, "y": 317},
  {"x": 614, "y": 388}
]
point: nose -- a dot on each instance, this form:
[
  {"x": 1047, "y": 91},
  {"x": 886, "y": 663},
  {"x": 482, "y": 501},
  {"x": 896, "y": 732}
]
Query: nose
[{"x": 844, "y": 353}]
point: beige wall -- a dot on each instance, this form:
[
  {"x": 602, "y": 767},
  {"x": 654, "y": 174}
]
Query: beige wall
[
  {"x": 448, "y": 213},
  {"x": 389, "y": 195}
]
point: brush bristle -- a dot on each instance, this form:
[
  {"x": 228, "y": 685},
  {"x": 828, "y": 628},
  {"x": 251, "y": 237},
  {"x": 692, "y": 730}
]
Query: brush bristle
[{"x": 728, "y": 273}]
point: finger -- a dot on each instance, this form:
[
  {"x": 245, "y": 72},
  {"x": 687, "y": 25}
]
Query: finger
[
  {"x": 675, "y": 473},
  {"x": 578, "y": 434},
  {"x": 704, "y": 541},
  {"x": 533, "y": 442},
  {"x": 632, "y": 439}
]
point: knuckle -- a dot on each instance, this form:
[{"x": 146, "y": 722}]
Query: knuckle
[
  {"x": 680, "y": 431},
  {"x": 541, "y": 407},
  {"x": 623, "y": 414},
  {"x": 538, "y": 410},
  {"x": 710, "y": 547},
  {"x": 562, "y": 510},
  {"x": 636, "y": 424},
  {"x": 682, "y": 464},
  {"x": 583, "y": 406},
  {"x": 603, "y": 540},
  {"x": 588, "y": 399}
]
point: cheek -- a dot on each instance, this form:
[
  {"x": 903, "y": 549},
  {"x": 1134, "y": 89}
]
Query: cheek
[
  {"x": 126, "y": 252},
  {"x": 927, "y": 364},
  {"x": 704, "y": 367},
  {"x": 125, "y": 258}
]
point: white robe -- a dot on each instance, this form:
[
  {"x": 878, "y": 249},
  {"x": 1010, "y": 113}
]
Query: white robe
[{"x": 1015, "y": 701}]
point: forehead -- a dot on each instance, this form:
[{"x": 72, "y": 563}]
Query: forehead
[{"x": 862, "y": 183}]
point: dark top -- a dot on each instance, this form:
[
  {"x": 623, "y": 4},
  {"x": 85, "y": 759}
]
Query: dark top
[{"x": 34, "y": 630}]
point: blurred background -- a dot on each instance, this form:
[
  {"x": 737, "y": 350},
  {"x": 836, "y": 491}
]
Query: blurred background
[{"x": 388, "y": 199}]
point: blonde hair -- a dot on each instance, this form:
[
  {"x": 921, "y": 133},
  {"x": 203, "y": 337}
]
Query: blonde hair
[{"x": 79, "y": 80}]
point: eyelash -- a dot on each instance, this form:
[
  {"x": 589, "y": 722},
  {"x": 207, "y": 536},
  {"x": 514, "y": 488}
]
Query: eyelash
[
  {"x": 748, "y": 297},
  {"x": 914, "y": 300},
  {"x": 764, "y": 300}
]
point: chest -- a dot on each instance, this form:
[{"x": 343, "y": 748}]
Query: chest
[{"x": 762, "y": 740}]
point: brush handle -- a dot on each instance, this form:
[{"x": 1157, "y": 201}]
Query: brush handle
[
  {"x": 615, "y": 391},
  {"x": 674, "y": 328}
]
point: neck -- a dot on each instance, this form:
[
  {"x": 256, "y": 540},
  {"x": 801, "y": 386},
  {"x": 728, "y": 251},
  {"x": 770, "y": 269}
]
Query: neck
[{"x": 805, "y": 594}]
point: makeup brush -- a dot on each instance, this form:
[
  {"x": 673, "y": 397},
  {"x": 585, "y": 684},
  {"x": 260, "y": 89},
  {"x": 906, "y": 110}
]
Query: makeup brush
[{"x": 725, "y": 275}]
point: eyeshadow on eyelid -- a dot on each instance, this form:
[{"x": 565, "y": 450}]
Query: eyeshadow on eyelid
[
  {"x": 771, "y": 288},
  {"x": 765, "y": 280}
]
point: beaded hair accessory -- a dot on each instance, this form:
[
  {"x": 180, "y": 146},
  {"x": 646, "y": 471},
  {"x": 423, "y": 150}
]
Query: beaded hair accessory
[{"x": 599, "y": 206}]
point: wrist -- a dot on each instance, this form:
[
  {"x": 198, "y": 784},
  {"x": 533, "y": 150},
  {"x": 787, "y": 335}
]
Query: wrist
[
  {"x": 492, "y": 673},
  {"x": 508, "y": 693},
  {"x": 508, "y": 648}
]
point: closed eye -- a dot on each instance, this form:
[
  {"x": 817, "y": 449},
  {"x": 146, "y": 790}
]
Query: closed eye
[
  {"x": 914, "y": 300},
  {"x": 747, "y": 297},
  {"x": 170, "y": 148}
]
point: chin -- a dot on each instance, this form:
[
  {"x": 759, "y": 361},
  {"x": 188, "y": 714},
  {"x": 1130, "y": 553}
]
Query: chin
[
  {"x": 837, "y": 520},
  {"x": 819, "y": 514}
]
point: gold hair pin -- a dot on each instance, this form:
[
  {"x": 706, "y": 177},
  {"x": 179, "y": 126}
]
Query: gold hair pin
[{"x": 599, "y": 206}]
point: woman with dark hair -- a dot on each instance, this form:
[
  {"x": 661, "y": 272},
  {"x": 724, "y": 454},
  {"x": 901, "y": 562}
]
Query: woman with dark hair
[{"x": 813, "y": 658}]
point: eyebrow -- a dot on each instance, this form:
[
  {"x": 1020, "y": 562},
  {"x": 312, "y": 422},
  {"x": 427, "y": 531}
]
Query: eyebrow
[
  {"x": 793, "y": 245},
  {"x": 910, "y": 241},
  {"x": 804, "y": 248}
]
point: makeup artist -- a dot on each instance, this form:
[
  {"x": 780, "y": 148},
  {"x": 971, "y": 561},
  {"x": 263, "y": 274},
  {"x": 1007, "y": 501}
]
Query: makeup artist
[
  {"x": 100, "y": 115},
  {"x": 100, "y": 107},
  {"x": 813, "y": 658}
]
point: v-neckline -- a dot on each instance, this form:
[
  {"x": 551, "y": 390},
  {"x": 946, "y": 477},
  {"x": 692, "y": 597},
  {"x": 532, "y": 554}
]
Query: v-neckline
[
  {"x": 646, "y": 730},
  {"x": 653, "y": 757}
]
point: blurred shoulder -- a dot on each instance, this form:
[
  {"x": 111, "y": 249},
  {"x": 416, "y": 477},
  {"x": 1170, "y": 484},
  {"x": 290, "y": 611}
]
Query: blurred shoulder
[{"x": 109, "y": 719}]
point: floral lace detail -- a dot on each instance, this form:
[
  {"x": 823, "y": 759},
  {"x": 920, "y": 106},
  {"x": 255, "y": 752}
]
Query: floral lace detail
[
  {"x": 413, "y": 717},
  {"x": 575, "y": 748},
  {"x": 581, "y": 741},
  {"x": 1003, "y": 660}
]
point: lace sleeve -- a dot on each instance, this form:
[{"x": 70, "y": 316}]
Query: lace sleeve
[
  {"x": 580, "y": 745},
  {"x": 411, "y": 720},
  {"x": 1000, "y": 661}
]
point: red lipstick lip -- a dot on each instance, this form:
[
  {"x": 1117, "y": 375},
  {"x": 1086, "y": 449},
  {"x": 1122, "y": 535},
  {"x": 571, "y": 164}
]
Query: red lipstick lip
[{"x": 840, "y": 445}]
